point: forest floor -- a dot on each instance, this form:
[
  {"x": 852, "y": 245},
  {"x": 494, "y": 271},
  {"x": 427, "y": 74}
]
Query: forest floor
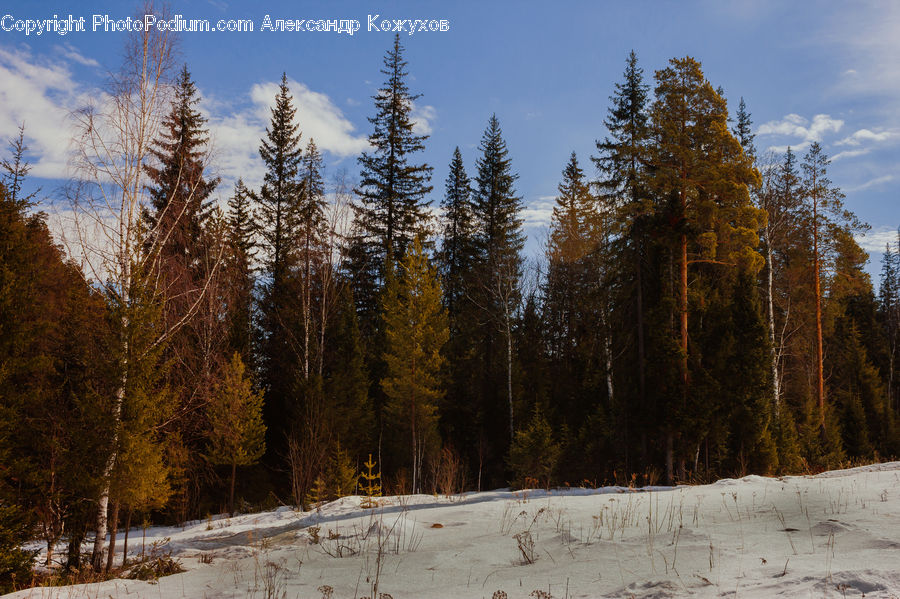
[{"x": 836, "y": 534}]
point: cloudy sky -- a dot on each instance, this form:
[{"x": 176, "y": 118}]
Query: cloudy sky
[{"x": 809, "y": 71}]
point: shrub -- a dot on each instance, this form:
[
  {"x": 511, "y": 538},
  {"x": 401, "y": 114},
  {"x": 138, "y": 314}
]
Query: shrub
[
  {"x": 15, "y": 562},
  {"x": 534, "y": 452}
]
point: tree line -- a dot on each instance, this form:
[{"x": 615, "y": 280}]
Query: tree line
[{"x": 700, "y": 310}]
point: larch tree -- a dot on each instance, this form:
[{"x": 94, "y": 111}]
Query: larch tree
[
  {"x": 415, "y": 333},
  {"x": 237, "y": 433}
]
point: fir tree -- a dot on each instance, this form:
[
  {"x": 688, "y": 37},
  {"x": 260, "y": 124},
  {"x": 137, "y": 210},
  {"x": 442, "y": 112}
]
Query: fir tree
[
  {"x": 239, "y": 271},
  {"x": 392, "y": 188},
  {"x": 179, "y": 191},
  {"x": 277, "y": 212},
  {"x": 278, "y": 200},
  {"x": 415, "y": 331},
  {"x": 622, "y": 161},
  {"x": 457, "y": 252},
  {"x": 498, "y": 244},
  {"x": 743, "y": 130}
]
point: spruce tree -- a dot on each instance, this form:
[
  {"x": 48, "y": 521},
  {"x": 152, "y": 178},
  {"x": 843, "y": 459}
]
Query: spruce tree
[
  {"x": 622, "y": 162},
  {"x": 498, "y": 244},
  {"x": 392, "y": 190},
  {"x": 415, "y": 333},
  {"x": 889, "y": 311},
  {"x": 573, "y": 306},
  {"x": 179, "y": 190},
  {"x": 311, "y": 237},
  {"x": 277, "y": 211},
  {"x": 456, "y": 255},
  {"x": 239, "y": 271},
  {"x": 455, "y": 261}
]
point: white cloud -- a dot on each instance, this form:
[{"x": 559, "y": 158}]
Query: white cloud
[
  {"x": 39, "y": 93},
  {"x": 876, "y": 240},
  {"x": 72, "y": 53},
  {"x": 871, "y": 183},
  {"x": 539, "y": 211},
  {"x": 866, "y": 135},
  {"x": 794, "y": 125},
  {"x": 422, "y": 117},
  {"x": 850, "y": 154}
]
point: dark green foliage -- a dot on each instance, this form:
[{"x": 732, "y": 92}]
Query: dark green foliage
[
  {"x": 392, "y": 188},
  {"x": 534, "y": 453},
  {"x": 15, "y": 562},
  {"x": 278, "y": 206},
  {"x": 238, "y": 272}
]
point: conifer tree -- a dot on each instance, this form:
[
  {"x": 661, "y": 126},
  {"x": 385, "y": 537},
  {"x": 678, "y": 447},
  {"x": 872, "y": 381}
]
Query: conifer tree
[
  {"x": 239, "y": 271},
  {"x": 311, "y": 224},
  {"x": 392, "y": 187},
  {"x": 455, "y": 261},
  {"x": 889, "y": 308},
  {"x": 743, "y": 130},
  {"x": 415, "y": 332},
  {"x": 825, "y": 214},
  {"x": 700, "y": 169},
  {"x": 622, "y": 161},
  {"x": 457, "y": 248},
  {"x": 237, "y": 432},
  {"x": 278, "y": 203},
  {"x": 498, "y": 244},
  {"x": 575, "y": 309},
  {"x": 179, "y": 190}
]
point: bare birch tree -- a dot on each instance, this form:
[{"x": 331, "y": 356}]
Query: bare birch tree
[{"x": 112, "y": 143}]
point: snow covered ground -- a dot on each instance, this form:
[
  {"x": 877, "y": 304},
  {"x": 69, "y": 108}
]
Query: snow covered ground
[{"x": 832, "y": 535}]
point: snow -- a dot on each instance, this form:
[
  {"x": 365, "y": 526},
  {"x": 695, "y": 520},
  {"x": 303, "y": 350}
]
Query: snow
[{"x": 836, "y": 534}]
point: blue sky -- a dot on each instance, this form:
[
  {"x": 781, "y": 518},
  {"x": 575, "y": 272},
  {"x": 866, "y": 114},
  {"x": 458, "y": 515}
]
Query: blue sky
[{"x": 809, "y": 71}]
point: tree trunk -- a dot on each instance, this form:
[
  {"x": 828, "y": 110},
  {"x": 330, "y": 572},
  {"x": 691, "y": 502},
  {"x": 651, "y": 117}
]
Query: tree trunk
[
  {"x": 231, "y": 494},
  {"x": 820, "y": 378},
  {"x": 509, "y": 392},
  {"x": 125, "y": 540},
  {"x": 770, "y": 317},
  {"x": 103, "y": 501},
  {"x": 670, "y": 457},
  {"x": 113, "y": 529},
  {"x": 683, "y": 309}
]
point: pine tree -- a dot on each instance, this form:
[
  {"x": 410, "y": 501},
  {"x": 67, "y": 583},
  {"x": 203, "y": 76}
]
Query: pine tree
[
  {"x": 392, "y": 189},
  {"x": 701, "y": 172},
  {"x": 824, "y": 213},
  {"x": 534, "y": 453},
  {"x": 415, "y": 332},
  {"x": 237, "y": 432}
]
